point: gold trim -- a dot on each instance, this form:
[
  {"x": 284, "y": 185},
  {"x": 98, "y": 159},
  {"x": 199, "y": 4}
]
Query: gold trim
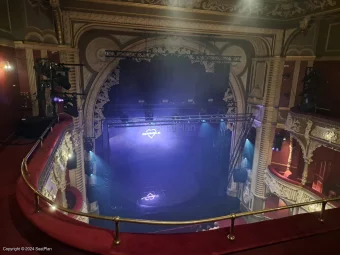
[
  {"x": 43, "y": 46},
  {"x": 300, "y": 58},
  {"x": 285, "y": 165}
]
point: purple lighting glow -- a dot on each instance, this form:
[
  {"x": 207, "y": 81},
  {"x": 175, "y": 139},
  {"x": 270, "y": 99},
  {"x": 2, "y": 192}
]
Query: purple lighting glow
[
  {"x": 58, "y": 100},
  {"x": 149, "y": 197},
  {"x": 151, "y": 133}
]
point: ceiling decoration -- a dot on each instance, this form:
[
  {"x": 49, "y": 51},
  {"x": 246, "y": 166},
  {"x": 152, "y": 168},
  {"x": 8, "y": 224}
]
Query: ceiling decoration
[{"x": 266, "y": 8}]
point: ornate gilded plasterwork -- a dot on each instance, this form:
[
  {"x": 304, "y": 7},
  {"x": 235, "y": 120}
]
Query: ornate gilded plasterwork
[
  {"x": 291, "y": 192},
  {"x": 55, "y": 170},
  {"x": 95, "y": 52},
  {"x": 313, "y": 128},
  {"x": 312, "y": 133},
  {"x": 271, "y": 9},
  {"x": 262, "y": 46},
  {"x": 292, "y": 125},
  {"x": 102, "y": 99}
]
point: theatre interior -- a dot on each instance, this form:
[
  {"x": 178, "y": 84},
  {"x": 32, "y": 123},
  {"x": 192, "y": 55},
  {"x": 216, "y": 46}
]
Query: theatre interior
[{"x": 158, "y": 127}]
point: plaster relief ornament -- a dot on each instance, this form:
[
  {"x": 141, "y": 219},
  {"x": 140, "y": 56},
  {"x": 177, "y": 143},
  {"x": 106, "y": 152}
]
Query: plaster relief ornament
[{"x": 292, "y": 124}]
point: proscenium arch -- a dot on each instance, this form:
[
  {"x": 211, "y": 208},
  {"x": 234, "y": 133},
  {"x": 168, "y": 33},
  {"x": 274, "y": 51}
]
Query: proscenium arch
[{"x": 150, "y": 43}]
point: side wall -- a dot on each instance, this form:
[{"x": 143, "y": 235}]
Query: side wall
[{"x": 10, "y": 113}]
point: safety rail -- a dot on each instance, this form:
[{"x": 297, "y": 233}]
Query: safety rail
[{"x": 117, "y": 220}]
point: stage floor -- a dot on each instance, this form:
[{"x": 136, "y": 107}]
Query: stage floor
[
  {"x": 173, "y": 176},
  {"x": 158, "y": 202}
]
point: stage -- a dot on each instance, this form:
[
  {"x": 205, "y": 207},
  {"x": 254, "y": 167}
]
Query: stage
[
  {"x": 165, "y": 172},
  {"x": 164, "y": 152}
]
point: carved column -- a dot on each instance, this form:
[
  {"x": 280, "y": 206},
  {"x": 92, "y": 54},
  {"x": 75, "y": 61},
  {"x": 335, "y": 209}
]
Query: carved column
[
  {"x": 305, "y": 172},
  {"x": 57, "y": 20},
  {"x": 273, "y": 83},
  {"x": 289, "y": 163},
  {"x": 311, "y": 147}
]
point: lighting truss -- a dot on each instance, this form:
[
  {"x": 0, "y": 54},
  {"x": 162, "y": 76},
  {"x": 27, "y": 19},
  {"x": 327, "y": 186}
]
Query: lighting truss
[
  {"x": 169, "y": 120},
  {"x": 241, "y": 124},
  {"x": 148, "y": 55}
]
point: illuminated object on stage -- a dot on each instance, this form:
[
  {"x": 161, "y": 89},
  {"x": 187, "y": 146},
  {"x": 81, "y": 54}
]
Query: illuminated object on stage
[
  {"x": 151, "y": 133},
  {"x": 150, "y": 197}
]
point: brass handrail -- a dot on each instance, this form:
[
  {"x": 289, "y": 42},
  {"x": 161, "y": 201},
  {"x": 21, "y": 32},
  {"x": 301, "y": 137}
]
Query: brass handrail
[{"x": 117, "y": 220}]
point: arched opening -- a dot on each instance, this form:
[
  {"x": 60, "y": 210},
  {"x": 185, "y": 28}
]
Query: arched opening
[
  {"x": 155, "y": 158},
  {"x": 108, "y": 77},
  {"x": 287, "y": 156},
  {"x": 323, "y": 174}
]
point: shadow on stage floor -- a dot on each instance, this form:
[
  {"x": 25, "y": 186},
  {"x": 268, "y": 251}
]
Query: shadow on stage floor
[{"x": 199, "y": 207}]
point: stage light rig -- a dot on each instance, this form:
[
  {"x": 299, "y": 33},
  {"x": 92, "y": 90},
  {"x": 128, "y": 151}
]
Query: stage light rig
[{"x": 54, "y": 77}]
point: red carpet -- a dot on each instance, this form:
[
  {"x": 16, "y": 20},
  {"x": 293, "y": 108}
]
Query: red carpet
[{"x": 20, "y": 232}]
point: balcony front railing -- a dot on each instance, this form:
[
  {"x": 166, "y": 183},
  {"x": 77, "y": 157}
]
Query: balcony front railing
[
  {"x": 312, "y": 127},
  {"x": 40, "y": 199},
  {"x": 292, "y": 192}
]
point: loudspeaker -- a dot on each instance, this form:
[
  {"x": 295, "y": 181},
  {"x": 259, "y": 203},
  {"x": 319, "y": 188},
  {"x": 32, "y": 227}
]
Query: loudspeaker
[
  {"x": 240, "y": 175},
  {"x": 33, "y": 127}
]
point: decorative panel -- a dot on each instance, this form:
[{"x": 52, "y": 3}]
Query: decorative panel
[
  {"x": 259, "y": 80},
  {"x": 309, "y": 128}
]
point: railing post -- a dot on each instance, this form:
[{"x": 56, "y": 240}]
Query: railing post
[
  {"x": 116, "y": 239},
  {"x": 231, "y": 235},
  {"x": 322, "y": 212},
  {"x": 41, "y": 141},
  {"x": 36, "y": 199}
]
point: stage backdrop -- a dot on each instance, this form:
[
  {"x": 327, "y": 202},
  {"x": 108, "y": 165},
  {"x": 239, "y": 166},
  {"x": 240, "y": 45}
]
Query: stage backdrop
[{"x": 173, "y": 78}]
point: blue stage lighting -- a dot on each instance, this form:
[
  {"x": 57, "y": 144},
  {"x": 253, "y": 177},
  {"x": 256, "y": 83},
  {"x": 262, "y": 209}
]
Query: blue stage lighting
[
  {"x": 222, "y": 120},
  {"x": 204, "y": 121}
]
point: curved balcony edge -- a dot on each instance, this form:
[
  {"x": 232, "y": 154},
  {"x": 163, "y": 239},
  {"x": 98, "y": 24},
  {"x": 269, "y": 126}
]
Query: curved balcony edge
[
  {"x": 93, "y": 239},
  {"x": 292, "y": 191}
]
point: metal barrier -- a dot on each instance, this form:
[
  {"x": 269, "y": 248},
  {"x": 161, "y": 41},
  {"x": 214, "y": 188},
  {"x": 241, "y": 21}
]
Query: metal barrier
[{"x": 38, "y": 196}]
